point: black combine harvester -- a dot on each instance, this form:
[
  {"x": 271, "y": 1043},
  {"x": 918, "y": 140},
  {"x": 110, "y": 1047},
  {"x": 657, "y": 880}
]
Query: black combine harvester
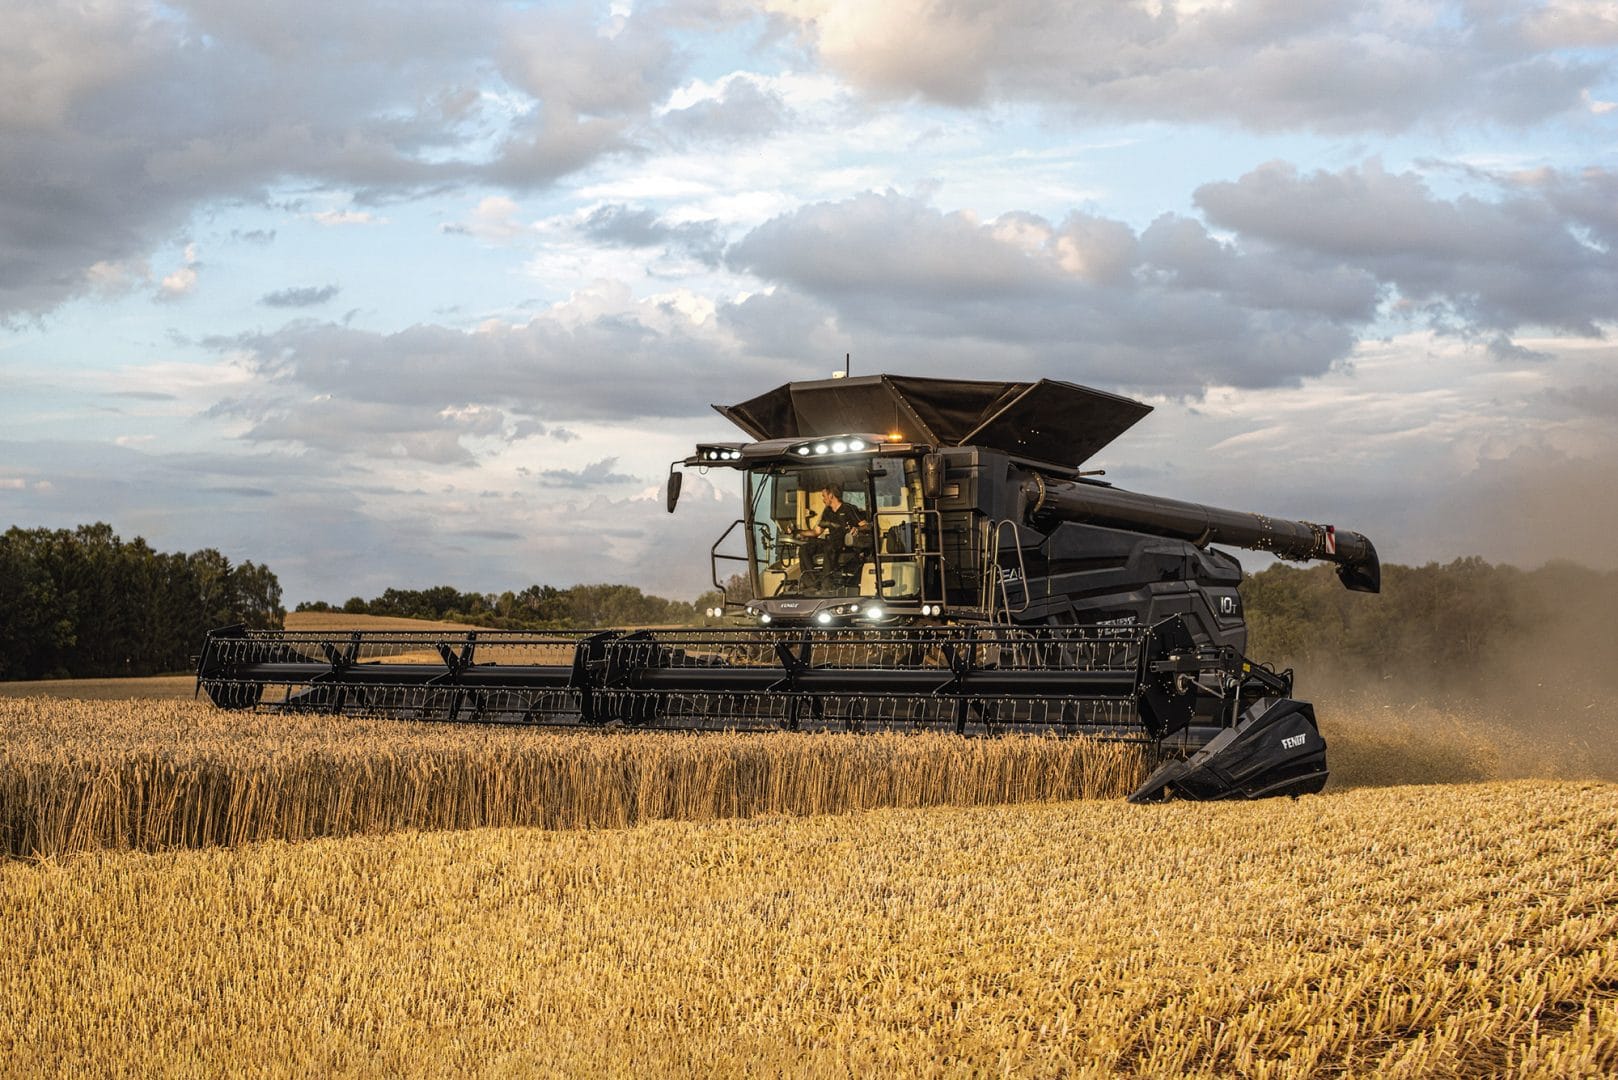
[{"x": 977, "y": 580}]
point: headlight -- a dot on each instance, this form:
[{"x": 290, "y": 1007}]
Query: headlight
[
  {"x": 824, "y": 618},
  {"x": 764, "y": 618},
  {"x": 873, "y": 612}
]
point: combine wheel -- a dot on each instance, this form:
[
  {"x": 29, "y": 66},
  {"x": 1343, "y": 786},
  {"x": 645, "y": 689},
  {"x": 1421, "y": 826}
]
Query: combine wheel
[{"x": 235, "y": 695}]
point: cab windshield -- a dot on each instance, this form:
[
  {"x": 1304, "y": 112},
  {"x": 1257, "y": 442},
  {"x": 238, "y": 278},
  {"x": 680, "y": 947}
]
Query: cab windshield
[{"x": 836, "y": 531}]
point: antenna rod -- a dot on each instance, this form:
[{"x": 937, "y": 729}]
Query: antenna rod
[{"x": 846, "y": 361}]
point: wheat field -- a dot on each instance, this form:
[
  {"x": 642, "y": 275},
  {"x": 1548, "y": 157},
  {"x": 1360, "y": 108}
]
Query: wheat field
[
  {"x": 80, "y": 776},
  {"x": 152, "y": 775},
  {"x": 475, "y": 901},
  {"x": 1458, "y": 930}
]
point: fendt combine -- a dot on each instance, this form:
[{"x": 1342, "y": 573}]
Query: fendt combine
[{"x": 917, "y": 554}]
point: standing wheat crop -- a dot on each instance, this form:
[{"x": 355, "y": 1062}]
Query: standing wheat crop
[{"x": 84, "y": 775}]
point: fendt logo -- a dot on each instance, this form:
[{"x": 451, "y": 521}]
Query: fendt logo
[{"x": 1294, "y": 742}]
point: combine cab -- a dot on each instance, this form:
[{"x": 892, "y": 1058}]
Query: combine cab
[{"x": 919, "y": 553}]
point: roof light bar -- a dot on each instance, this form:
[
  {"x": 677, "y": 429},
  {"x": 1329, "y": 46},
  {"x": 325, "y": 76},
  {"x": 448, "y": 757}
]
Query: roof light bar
[{"x": 841, "y": 444}]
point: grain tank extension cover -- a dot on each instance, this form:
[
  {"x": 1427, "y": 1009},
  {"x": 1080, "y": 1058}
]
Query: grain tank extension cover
[{"x": 1056, "y": 422}]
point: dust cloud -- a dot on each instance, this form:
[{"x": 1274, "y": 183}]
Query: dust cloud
[
  {"x": 1527, "y": 510},
  {"x": 1542, "y": 699}
]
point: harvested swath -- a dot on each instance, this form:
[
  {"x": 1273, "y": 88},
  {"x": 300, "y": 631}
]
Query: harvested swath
[
  {"x": 82, "y": 776},
  {"x": 1464, "y": 930}
]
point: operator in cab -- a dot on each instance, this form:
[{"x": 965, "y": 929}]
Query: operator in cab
[{"x": 832, "y": 530}]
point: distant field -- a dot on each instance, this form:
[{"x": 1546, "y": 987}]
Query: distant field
[
  {"x": 1467, "y": 930},
  {"x": 184, "y": 686},
  {"x": 328, "y": 620},
  {"x": 159, "y": 686}
]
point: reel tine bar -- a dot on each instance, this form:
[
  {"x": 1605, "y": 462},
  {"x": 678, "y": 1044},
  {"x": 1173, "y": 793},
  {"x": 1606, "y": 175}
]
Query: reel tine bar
[{"x": 1121, "y": 681}]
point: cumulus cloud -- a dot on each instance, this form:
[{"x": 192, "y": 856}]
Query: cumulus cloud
[
  {"x": 181, "y": 281},
  {"x": 118, "y": 120},
  {"x": 526, "y": 429},
  {"x": 177, "y": 283},
  {"x": 617, "y": 225},
  {"x": 595, "y": 474},
  {"x": 475, "y": 419},
  {"x": 1465, "y": 262},
  {"x": 630, "y": 359},
  {"x": 493, "y": 221},
  {"x": 1277, "y": 283},
  {"x": 887, "y": 277},
  {"x": 362, "y": 430},
  {"x": 1590, "y": 24},
  {"x": 112, "y": 278},
  {"x": 742, "y": 110},
  {"x": 1170, "y": 310},
  {"x": 1359, "y": 65},
  {"x": 331, "y": 218},
  {"x": 899, "y": 245},
  {"x": 1587, "y": 198},
  {"x": 590, "y": 85},
  {"x": 299, "y": 296},
  {"x": 430, "y": 393},
  {"x": 1598, "y": 399}
]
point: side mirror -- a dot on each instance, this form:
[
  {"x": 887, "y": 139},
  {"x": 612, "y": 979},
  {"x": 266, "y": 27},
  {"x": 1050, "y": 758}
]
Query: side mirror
[
  {"x": 675, "y": 476},
  {"x": 932, "y": 476}
]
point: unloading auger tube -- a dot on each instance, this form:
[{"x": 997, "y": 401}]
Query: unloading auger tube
[
  {"x": 1099, "y": 504},
  {"x": 1118, "y": 683}
]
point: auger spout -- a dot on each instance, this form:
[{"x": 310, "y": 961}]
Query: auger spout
[{"x": 1089, "y": 503}]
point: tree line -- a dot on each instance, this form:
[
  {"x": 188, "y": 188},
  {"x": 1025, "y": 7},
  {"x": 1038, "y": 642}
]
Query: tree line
[
  {"x": 83, "y": 603},
  {"x": 538, "y": 607},
  {"x": 1466, "y": 624}
]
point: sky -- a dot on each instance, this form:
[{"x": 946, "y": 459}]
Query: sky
[{"x": 415, "y": 293}]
